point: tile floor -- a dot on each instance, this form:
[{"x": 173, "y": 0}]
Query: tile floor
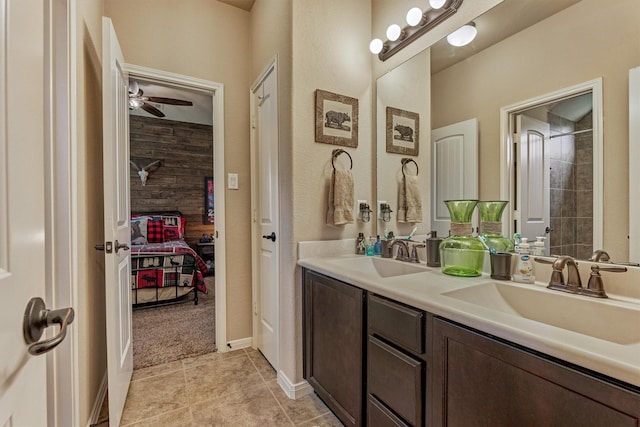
[{"x": 236, "y": 388}]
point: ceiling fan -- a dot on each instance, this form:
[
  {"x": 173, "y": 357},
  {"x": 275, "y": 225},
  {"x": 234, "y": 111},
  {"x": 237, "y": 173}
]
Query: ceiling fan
[{"x": 138, "y": 100}]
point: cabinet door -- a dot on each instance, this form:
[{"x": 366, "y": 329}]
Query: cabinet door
[
  {"x": 333, "y": 345},
  {"x": 481, "y": 381}
]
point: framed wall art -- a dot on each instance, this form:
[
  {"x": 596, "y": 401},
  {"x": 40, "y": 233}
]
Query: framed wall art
[
  {"x": 209, "y": 216},
  {"x": 336, "y": 119},
  {"x": 403, "y": 131}
]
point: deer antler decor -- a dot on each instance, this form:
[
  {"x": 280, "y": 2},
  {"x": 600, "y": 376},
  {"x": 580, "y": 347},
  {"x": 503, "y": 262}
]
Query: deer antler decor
[{"x": 144, "y": 171}]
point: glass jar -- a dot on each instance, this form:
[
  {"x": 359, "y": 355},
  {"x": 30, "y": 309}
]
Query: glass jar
[
  {"x": 461, "y": 254},
  {"x": 491, "y": 224}
]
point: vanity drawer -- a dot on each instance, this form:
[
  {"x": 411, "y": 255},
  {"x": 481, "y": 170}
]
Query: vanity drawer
[
  {"x": 398, "y": 323},
  {"x": 397, "y": 380},
  {"x": 379, "y": 415}
]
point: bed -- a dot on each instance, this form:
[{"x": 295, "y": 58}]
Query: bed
[{"x": 164, "y": 268}]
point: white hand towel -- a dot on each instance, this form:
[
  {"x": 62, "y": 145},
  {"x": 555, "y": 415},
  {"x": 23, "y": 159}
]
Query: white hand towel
[{"x": 409, "y": 200}]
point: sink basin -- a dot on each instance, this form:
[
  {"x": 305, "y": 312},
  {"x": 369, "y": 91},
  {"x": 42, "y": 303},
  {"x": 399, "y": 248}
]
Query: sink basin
[
  {"x": 601, "y": 319},
  {"x": 381, "y": 267}
]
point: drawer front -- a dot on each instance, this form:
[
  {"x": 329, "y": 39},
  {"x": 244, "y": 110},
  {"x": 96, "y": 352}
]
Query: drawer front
[
  {"x": 207, "y": 250},
  {"x": 397, "y": 323},
  {"x": 397, "y": 380},
  {"x": 379, "y": 416}
]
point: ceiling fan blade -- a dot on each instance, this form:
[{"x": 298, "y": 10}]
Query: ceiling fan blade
[
  {"x": 170, "y": 101},
  {"x": 152, "y": 110}
]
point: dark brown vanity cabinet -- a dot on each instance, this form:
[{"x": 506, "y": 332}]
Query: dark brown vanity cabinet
[
  {"x": 396, "y": 364},
  {"x": 334, "y": 344},
  {"x": 482, "y": 381}
]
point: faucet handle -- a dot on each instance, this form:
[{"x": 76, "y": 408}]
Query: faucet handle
[
  {"x": 595, "y": 287},
  {"x": 557, "y": 275},
  {"x": 414, "y": 252}
]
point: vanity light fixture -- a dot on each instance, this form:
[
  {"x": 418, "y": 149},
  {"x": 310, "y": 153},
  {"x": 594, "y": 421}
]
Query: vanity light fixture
[
  {"x": 365, "y": 212},
  {"x": 463, "y": 35},
  {"x": 385, "y": 212},
  {"x": 418, "y": 23}
]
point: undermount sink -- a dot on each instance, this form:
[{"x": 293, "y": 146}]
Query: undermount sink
[
  {"x": 596, "y": 318},
  {"x": 381, "y": 267}
]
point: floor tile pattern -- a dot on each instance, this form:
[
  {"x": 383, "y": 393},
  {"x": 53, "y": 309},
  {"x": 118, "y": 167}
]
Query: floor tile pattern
[{"x": 236, "y": 388}]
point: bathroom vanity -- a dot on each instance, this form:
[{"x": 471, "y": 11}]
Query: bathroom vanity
[{"x": 390, "y": 346}]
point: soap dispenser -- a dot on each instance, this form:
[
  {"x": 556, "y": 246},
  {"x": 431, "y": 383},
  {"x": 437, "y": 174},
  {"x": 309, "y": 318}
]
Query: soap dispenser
[
  {"x": 524, "y": 266},
  {"x": 433, "y": 249}
]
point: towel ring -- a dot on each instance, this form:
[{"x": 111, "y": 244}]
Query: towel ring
[
  {"x": 406, "y": 160},
  {"x": 336, "y": 153}
]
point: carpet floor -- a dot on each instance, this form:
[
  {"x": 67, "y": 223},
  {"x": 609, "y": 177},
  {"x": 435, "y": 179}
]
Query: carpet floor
[{"x": 173, "y": 332}]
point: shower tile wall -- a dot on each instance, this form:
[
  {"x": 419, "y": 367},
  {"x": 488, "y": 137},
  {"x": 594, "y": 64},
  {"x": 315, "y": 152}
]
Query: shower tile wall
[{"x": 571, "y": 158}]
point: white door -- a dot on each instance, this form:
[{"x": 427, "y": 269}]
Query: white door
[
  {"x": 454, "y": 166},
  {"x": 266, "y": 151},
  {"x": 23, "y": 383},
  {"x": 117, "y": 234},
  {"x": 532, "y": 190}
]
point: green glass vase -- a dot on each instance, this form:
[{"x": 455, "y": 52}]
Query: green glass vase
[
  {"x": 491, "y": 224},
  {"x": 461, "y": 254}
]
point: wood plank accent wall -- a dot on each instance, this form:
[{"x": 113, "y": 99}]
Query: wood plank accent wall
[{"x": 186, "y": 151}]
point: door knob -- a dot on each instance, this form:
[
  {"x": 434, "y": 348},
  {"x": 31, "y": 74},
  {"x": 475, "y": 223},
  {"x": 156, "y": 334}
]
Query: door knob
[
  {"x": 37, "y": 318},
  {"x": 122, "y": 246},
  {"x": 271, "y": 236}
]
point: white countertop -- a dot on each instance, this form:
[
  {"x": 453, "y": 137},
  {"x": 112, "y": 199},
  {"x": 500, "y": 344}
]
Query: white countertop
[{"x": 424, "y": 290}]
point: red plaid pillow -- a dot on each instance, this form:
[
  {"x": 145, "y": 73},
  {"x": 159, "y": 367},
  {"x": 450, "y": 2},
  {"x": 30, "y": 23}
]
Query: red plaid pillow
[{"x": 155, "y": 231}]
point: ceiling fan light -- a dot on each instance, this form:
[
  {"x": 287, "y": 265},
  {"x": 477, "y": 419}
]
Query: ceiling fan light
[
  {"x": 436, "y": 4},
  {"x": 375, "y": 46},
  {"x": 393, "y": 32},
  {"x": 414, "y": 16},
  {"x": 463, "y": 35},
  {"x": 135, "y": 103}
]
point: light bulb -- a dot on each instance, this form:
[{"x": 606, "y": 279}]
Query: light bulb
[
  {"x": 393, "y": 32},
  {"x": 463, "y": 35},
  {"x": 414, "y": 16},
  {"x": 436, "y": 4},
  {"x": 375, "y": 46}
]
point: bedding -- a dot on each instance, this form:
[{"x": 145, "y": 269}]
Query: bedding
[{"x": 163, "y": 266}]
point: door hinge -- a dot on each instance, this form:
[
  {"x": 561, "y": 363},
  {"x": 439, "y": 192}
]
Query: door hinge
[
  {"x": 516, "y": 138},
  {"x": 253, "y": 122},
  {"x": 255, "y": 308},
  {"x": 516, "y": 215}
]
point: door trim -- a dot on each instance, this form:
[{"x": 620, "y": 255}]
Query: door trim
[
  {"x": 634, "y": 172},
  {"x": 217, "y": 92},
  {"x": 61, "y": 201},
  {"x": 507, "y": 155},
  {"x": 272, "y": 66}
]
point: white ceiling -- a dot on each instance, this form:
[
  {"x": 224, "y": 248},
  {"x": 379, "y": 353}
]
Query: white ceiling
[
  {"x": 201, "y": 111},
  {"x": 502, "y": 21}
]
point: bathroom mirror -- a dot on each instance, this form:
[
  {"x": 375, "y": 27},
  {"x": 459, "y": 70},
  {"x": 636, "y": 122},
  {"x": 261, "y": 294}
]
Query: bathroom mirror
[
  {"x": 403, "y": 96},
  {"x": 579, "y": 42}
]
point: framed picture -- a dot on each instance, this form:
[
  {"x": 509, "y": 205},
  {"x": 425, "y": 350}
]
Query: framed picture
[
  {"x": 403, "y": 131},
  {"x": 336, "y": 119},
  {"x": 209, "y": 216}
]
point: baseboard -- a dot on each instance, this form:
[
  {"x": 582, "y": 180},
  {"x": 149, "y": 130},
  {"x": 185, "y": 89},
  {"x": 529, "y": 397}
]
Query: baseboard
[
  {"x": 237, "y": 344},
  {"x": 293, "y": 391},
  {"x": 97, "y": 404}
]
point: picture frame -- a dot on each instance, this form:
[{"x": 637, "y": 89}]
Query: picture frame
[
  {"x": 336, "y": 119},
  {"x": 403, "y": 131},
  {"x": 209, "y": 216}
]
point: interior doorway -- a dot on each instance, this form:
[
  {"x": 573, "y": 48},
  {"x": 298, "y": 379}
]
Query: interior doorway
[
  {"x": 552, "y": 168},
  {"x": 176, "y": 162}
]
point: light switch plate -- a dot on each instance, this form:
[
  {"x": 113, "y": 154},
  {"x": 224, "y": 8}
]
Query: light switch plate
[{"x": 232, "y": 181}]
